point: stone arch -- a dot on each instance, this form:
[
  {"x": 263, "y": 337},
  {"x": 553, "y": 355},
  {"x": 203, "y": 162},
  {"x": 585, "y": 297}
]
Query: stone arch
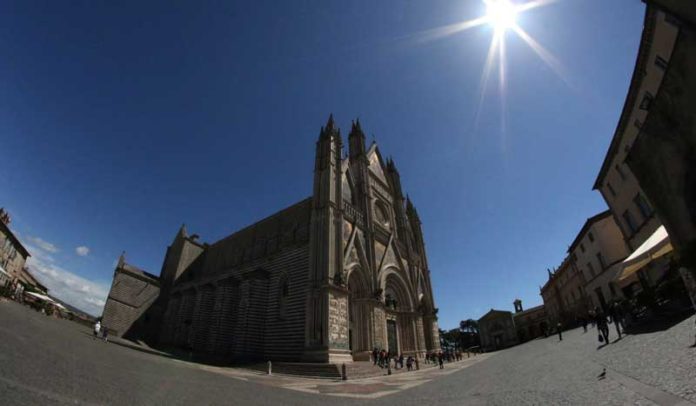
[
  {"x": 402, "y": 321},
  {"x": 357, "y": 282},
  {"x": 392, "y": 282},
  {"x": 359, "y": 332}
]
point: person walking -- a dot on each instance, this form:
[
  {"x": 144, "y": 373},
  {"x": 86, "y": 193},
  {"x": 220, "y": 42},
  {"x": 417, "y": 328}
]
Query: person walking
[
  {"x": 602, "y": 327},
  {"x": 559, "y": 327},
  {"x": 440, "y": 360},
  {"x": 105, "y": 334},
  {"x": 97, "y": 327},
  {"x": 375, "y": 354},
  {"x": 584, "y": 324},
  {"x": 615, "y": 314}
]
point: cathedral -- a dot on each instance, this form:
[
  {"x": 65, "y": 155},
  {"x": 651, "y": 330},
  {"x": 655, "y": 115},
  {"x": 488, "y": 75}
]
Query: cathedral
[{"x": 325, "y": 280}]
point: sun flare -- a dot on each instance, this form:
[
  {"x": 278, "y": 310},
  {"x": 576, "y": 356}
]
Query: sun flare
[{"x": 501, "y": 14}]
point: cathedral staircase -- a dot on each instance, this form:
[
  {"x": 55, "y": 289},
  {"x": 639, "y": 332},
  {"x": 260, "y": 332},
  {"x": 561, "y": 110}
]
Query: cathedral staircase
[
  {"x": 354, "y": 370},
  {"x": 311, "y": 370}
]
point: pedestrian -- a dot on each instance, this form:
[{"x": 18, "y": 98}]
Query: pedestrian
[
  {"x": 593, "y": 318},
  {"x": 97, "y": 327},
  {"x": 375, "y": 353},
  {"x": 401, "y": 361},
  {"x": 559, "y": 327},
  {"x": 602, "y": 327},
  {"x": 440, "y": 360},
  {"x": 409, "y": 363},
  {"x": 584, "y": 324},
  {"x": 615, "y": 312},
  {"x": 105, "y": 334}
]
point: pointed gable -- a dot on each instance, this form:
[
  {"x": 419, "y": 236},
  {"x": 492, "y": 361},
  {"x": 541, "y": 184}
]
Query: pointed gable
[{"x": 376, "y": 164}]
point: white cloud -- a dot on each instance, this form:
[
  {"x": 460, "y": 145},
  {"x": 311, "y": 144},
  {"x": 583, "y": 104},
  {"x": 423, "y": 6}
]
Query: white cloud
[
  {"x": 65, "y": 285},
  {"x": 44, "y": 245},
  {"x": 82, "y": 251}
]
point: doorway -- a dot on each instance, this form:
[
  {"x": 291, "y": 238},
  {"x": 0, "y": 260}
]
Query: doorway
[{"x": 392, "y": 343}]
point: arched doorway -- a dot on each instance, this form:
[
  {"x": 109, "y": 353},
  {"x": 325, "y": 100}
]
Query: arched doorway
[
  {"x": 400, "y": 314},
  {"x": 358, "y": 315}
]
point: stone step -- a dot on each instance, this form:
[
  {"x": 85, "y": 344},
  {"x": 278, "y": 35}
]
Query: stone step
[{"x": 327, "y": 371}]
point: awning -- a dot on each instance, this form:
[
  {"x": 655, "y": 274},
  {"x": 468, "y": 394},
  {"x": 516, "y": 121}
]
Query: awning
[
  {"x": 39, "y": 296},
  {"x": 657, "y": 245}
]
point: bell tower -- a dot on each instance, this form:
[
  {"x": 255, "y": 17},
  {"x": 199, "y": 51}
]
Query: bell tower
[{"x": 327, "y": 332}]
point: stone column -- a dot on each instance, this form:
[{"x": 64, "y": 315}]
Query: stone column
[{"x": 420, "y": 336}]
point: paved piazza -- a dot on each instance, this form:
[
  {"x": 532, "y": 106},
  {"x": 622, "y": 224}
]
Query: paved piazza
[{"x": 49, "y": 361}]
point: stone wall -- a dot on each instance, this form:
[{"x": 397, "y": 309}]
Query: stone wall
[
  {"x": 338, "y": 320},
  {"x": 130, "y": 296},
  {"x": 236, "y": 314}
]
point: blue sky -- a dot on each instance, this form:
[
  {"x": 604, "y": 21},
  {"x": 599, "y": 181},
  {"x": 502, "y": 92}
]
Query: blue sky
[{"x": 118, "y": 122}]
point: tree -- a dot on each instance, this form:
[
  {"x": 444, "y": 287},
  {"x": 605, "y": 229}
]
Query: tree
[
  {"x": 469, "y": 336},
  {"x": 469, "y": 326}
]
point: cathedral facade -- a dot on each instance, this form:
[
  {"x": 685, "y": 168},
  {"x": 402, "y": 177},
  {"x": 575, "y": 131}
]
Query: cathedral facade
[{"x": 325, "y": 280}]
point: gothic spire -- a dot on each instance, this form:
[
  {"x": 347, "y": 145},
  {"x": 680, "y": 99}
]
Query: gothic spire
[
  {"x": 356, "y": 140},
  {"x": 330, "y": 125},
  {"x": 182, "y": 231}
]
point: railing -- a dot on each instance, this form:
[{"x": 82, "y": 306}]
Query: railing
[{"x": 353, "y": 213}]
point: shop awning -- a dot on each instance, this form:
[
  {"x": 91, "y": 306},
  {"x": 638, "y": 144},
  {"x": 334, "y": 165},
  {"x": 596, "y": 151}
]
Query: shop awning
[
  {"x": 657, "y": 245},
  {"x": 39, "y": 296}
]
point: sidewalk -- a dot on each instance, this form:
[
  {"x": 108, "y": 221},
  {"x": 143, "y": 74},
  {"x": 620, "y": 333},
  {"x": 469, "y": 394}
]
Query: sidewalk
[{"x": 362, "y": 388}]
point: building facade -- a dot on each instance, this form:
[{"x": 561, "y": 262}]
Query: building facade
[
  {"x": 13, "y": 255},
  {"x": 530, "y": 323},
  {"x": 616, "y": 181},
  {"x": 325, "y": 280},
  {"x": 662, "y": 156},
  {"x": 564, "y": 294},
  {"x": 597, "y": 253},
  {"x": 497, "y": 330}
]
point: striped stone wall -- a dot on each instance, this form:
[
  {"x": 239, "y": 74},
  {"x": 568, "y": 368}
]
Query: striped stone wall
[
  {"x": 130, "y": 296},
  {"x": 243, "y": 313}
]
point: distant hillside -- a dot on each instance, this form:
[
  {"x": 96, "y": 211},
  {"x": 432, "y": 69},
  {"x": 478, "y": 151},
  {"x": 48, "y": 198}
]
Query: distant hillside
[{"x": 75, "y": 310}]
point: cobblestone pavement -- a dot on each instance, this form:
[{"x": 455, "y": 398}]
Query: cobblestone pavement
[
  {"x": 363, "y": 388},
  {"x": 664, "y": 359},
  {"x": 49, "y": 361}
]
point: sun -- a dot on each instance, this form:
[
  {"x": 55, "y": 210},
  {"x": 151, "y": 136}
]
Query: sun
[{"x": 501, "y": 14}]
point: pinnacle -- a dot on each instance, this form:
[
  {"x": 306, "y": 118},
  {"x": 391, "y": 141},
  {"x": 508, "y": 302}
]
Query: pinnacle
[{"x": 330, "y": 124}]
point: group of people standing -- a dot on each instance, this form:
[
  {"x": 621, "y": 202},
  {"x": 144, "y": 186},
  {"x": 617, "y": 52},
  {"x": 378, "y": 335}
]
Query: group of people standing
[{"x": 384, "y": 359}]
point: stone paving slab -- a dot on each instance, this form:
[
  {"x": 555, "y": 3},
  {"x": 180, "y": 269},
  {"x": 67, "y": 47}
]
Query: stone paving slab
[
  {"x": 362, "y": 388},
  {"x": 664, "y": 359}
]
